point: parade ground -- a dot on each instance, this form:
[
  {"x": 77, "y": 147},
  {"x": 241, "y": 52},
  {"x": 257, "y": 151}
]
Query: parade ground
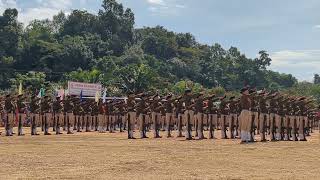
[{"x": 113, "y": 156}]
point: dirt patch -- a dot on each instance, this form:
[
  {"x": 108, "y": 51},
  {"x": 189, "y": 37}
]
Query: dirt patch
[{"x": 110, "y": 156}]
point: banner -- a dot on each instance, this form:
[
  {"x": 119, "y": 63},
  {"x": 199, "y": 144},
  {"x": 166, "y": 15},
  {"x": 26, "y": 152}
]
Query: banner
[{"x": 87, "y": 89}]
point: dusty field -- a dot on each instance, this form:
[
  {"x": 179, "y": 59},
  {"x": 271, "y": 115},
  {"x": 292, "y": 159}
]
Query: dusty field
[{"x": 112, "y": 156}]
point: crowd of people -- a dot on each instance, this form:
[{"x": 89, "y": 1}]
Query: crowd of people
[{"x": 255, "y": 115}]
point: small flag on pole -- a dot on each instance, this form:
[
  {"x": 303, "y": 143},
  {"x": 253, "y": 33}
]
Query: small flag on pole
[
  {"x": 97, "y": 97},
  {"x": 104, "y": 97},
  {"x": 20, "y": 89},
  {"x": 81, "y": 96},
  {"x": 41, "y": 93}
]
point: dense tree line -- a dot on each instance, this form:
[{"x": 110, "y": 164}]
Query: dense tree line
[{"x": 106, "y": 48}]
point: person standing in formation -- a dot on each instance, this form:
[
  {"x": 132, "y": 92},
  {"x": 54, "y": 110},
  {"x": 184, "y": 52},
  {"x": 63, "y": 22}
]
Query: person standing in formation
[
  {"x": 46, "y": 114},
  {"x": 57, "y": 116},
  {"x": 212, "y": 111},
  {"x": 21, "y": 107},
  {"x": 224, "y": 114},
  {"x": 141, "y": 114},
  {"x": 232, "y": 118},
  {"x": 263, "y": 115},
  {"x": 131, "y": 116},
  {"x": 169, "y": 114},
  {"x": 34, "y": 114},
  {"x": 178, "y": 110},
  {"x": 188, "y": 113},
  {"x": 102, "y": 118},
  {"x": 245, "y": 116},
  {"x": 9, "y": 108},
  {"x": 199, "y": 115},
  {"x": 68, "y": 113},
  {"x": 156, "y": 115}
]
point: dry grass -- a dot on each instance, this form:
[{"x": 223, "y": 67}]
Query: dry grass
[{"x": 112, "y": 156}]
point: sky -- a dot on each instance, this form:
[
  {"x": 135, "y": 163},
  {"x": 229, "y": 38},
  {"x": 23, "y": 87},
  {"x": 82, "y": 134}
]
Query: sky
[{"x": 289, "y": 30}]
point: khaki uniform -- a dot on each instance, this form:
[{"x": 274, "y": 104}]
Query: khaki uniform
[
  {"x": 233, "y": 118},
  {"x": 179, "y": 117},
  {"x": 293, "y": 126},
  {"x": 142, "y": 113},
  {"x": 57, "y": 115},
  {"x": 302, "y": 121},
  {"x": 224, "y": 118},
  {"x": 169, "y": 116},
  {"x": 275, "y": 119},
  {"x": 212, "y": 112},
  {"x": 156, "y": 117},
  {"x": 46, "y": 115},
  {"x": 264, "y": 117},
  {"x": 21, "y": 120},
  {"x": 245, "y": 118},
  {"x": 188, "y": 115},
  {"x": 87, "y": 117},
  {"x": 278, "y": 126},
  {"x": 68, "y": 113},
  {"x": 78, "y": 111},
  {"x": 281, "y": 119},
  {"x": 102, "y": 123},
  {"x": 21, "y": 115},
  {"x": 199, "y": 120},
  {"x": 199, "y": 117},
  {"x": 188, "y": 118},
  {"x": 294, "y": 121},
  {"x": 94, "y": 114},
  {"x": 131, "y": 116},
  {"x": 254, "y": 115},
  {"x": 9, "y": 115},
  {"x": 122, "y": 116},
  {"x": 131, "y": 119},
  {"x": 111, "y": 118},
  {"x": 102, "y": 119}
]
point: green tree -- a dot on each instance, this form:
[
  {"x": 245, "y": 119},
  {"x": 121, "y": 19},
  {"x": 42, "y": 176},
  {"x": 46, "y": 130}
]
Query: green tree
[
  {"x": 76, "y": 54},
  {"x": 137, "y": 78},
  {"x": 10, "y": 33},
  {"x": 32, "y": 80},
  {"x": 92, "y": 76},
  {"x": 316, "y": 79},
  {"x": 78, "y": 23},
  {"x": 159, "y": 42},
  {"x": 115, "y": 25}
]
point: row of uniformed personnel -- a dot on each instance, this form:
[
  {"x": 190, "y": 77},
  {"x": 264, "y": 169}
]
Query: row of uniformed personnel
[{"x": 281, "y": 116}]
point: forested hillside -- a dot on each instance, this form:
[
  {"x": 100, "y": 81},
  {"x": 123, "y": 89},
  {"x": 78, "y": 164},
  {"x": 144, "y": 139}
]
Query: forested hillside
[{"x": 106, "y": 48}]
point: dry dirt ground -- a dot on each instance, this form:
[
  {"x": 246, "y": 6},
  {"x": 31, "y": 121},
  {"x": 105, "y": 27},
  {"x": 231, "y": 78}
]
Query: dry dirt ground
[{"x": 112, "y": 156}]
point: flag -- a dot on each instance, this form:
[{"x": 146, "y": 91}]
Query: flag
[
  {"x": 81, "y": 96},
  {"x": 67, "y": 92},
  {"x": 97, "y": 96},
  {"x": 104, "y": 97},
  {"x": 41, "y": 93},
  {"x": 20, "y": 89}
]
